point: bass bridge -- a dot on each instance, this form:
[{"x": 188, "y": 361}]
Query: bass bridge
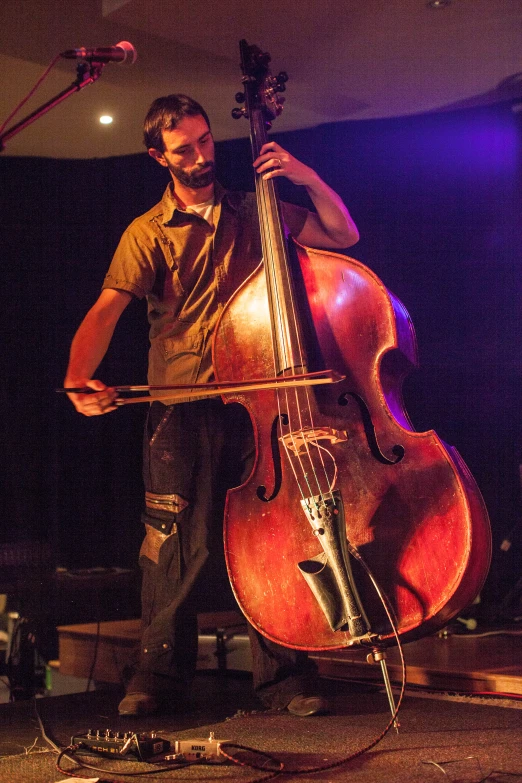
[{"x": 297, "y": 442}]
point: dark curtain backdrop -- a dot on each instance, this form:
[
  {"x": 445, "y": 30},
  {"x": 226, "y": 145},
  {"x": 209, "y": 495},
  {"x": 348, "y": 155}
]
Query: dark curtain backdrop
[{"x": 438, "y": 201}]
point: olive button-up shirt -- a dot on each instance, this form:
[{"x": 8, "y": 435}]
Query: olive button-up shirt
[{"x": 188, "y": 270}]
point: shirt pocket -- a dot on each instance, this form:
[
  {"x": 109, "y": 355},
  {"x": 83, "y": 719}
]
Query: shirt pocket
[{"x": 177, "y": 359}]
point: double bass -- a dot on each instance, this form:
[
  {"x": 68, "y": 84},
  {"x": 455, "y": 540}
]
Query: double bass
[{"x": 341, "y": 478}]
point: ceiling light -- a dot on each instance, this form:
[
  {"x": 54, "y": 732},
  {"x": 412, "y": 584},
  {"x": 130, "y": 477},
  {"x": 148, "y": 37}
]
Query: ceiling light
[
  {"x": 105, "y": 119},
  {"x": 439, "y": 3}
]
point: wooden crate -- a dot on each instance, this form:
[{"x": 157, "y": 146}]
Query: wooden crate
[{"x": 103, "y": 655}]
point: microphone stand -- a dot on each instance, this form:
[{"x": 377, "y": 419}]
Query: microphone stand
[{"x": 87, "y": 73}]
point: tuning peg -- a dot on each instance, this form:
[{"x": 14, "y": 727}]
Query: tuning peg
[
  {"x": 240, "y": 97},
  {"x": 280, "y": 82},
  {"x": 237, "y": 113}
]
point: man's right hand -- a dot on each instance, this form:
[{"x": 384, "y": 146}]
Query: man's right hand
[{"x": 92, "y": 404}]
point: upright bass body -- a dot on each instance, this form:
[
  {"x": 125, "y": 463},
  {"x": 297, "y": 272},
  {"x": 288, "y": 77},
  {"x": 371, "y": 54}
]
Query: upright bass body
[
  {"x": 349, "y": 516},
  {"x": 405, "y": 501}
]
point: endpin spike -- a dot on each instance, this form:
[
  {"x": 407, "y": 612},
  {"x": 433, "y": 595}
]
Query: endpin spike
[{"x": 379, "y": 655}]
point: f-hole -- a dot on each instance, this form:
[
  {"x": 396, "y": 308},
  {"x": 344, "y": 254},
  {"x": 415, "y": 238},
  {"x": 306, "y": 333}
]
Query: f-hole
[
  {"x": 276, "y": 460},
  {"x": 398, "y": 451}
]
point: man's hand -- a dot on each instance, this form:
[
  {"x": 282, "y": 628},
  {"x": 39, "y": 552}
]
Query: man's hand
[
  {"x": 88, "y": 348},
  {"x": 332, "y": 225},
  {"x": 274, "y": 161},
  {"x": 92, "y": 404}
]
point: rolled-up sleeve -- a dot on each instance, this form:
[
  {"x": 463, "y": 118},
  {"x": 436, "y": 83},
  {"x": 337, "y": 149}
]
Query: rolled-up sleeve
[
  {"x": 294, "y": 217},
  {"x": 135, "y": 261}
]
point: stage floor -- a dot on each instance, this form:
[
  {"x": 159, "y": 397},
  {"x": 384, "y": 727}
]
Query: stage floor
[
  {"x": 465, "y": 737},
  {"x": 439, "y": 738}
]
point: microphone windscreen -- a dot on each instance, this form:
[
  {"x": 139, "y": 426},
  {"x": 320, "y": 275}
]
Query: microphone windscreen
[{"x": 130, "y": 52}]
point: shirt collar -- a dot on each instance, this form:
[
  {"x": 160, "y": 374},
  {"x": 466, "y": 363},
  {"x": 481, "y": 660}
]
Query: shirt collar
[{"x": 169, "y": 205}]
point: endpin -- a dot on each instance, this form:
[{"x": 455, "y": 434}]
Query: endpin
[{"x": 379, "y": 655}]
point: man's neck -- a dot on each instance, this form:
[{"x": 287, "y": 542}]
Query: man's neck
[{"x": 187, "y": 197}]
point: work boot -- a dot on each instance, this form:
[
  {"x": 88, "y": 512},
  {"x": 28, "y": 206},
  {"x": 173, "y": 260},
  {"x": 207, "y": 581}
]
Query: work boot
[
  {"x": 139, "y": 703},
  {"x": 305, "y": 706}
]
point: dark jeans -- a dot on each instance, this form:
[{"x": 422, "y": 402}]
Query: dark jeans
[{"x": 194, "y": 452}]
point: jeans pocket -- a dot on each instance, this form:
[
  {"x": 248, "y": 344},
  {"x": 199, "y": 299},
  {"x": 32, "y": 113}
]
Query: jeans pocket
[{"x": 159, "y": 531}]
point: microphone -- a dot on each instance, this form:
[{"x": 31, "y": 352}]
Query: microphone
[{"x": 120, "y": 53}]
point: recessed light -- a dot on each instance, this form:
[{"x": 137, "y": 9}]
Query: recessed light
[
  {"x": 105, "y": 119},
  {"x": 439, "y": 3}
]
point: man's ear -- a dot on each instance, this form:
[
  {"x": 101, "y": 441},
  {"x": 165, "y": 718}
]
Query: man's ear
[{"x": 158, "y": 156}]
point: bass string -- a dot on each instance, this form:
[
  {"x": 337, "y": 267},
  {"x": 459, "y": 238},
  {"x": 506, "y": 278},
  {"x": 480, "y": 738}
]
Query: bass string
[{"x": 306, "y": 471}]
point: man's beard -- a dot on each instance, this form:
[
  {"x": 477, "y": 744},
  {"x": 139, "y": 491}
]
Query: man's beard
[{"x": 196, "y": 178}]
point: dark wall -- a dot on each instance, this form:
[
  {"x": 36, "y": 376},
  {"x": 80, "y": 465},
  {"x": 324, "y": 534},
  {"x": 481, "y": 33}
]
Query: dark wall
[{"x": 438, "y": 201}]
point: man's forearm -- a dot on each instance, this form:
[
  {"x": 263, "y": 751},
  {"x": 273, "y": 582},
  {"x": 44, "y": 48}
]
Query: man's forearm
[
  {"x": 333, "y": 214},
  {"x": 88, "y": 347},
  {"x": 91, "y": 341}
]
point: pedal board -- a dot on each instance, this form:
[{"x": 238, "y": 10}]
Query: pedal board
[
  {"x": 141, "y": 746},
  {"x": 123, "y": 744}
]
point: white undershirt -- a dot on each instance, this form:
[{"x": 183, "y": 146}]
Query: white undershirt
[{"x": 204, "y": 209}]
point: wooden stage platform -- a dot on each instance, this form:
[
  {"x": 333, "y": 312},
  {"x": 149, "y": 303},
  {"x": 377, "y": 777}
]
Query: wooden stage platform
[{"x": 485, "y": 661}]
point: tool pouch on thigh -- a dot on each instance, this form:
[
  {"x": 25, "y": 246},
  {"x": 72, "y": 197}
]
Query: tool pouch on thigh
[{"x": 160, "y": 523}]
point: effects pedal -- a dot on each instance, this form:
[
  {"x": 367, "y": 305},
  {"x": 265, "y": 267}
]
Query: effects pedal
[
  {"x": 207, "y": 751},
  {"x": 122, "y": 744}
]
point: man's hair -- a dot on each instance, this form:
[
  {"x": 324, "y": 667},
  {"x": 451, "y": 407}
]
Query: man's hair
[{"x": 165, "y": 114}]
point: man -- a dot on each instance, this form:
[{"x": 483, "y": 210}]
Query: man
[{"x": 188, "y": 255}]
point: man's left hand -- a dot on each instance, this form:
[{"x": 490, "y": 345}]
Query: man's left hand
[{"x": 274, "y": 161}]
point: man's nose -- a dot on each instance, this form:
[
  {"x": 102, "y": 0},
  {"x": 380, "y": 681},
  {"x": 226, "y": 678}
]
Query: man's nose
[{"x": 199, "y": 157}]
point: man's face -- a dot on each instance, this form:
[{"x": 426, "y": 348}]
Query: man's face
[{"x": 189, "y": 153}]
